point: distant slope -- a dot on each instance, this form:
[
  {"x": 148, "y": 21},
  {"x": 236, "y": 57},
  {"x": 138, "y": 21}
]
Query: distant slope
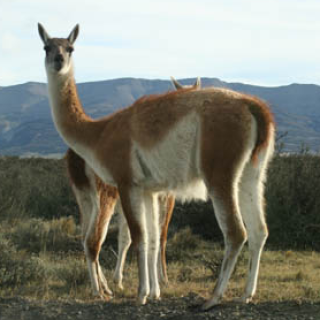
[{"x": 26, "y": 125}]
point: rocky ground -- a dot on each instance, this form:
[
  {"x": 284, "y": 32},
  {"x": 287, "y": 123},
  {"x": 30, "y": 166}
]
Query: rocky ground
[{"x": 186, "y": 308}]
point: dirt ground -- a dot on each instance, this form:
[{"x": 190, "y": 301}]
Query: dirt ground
[{"x": 186, "y": 308}]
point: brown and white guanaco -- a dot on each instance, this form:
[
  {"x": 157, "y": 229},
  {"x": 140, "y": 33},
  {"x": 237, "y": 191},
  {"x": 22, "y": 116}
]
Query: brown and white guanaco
[{"x": 175, "y": 142}]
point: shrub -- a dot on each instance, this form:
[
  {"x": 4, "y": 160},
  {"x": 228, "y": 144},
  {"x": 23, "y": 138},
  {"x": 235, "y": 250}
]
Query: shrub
[
  {"x": 35, "y": 188},
  {"x": 39, "y": 188},
  {"x": 293, "y": 202},
  {"x": 16, "y": 268},
  {"x": 73, "y": 274},
  {"x": 35, "y": 235}
]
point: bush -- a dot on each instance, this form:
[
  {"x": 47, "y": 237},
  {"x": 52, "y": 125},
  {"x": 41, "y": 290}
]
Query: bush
[
  {"x": 16, "y": 268},
  {"x": 73, "y": 274},
  {"x": 39, "y": 188},
  {"x": 293, "y": 202},
  {"x": 35, "y": 235},
  {"x": 197, "y": 216},
  {"x": 35, "y": 188}
]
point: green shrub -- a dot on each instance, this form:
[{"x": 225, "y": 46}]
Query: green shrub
[
  {"x": 35, "y": 188},
  {"x": 17, "y": 268},
  {"x": 35, "y": 235},
  {"x": 293, "y": 202},
  {"x": 39, "y": 188},
  {"x": 73, "y": 274}
]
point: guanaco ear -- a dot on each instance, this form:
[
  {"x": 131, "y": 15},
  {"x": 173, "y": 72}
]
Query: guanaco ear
[
  {"x": 197, "y": 84},
  {"x": 43, "y": 34},
  {"x": 74, "y": 34},
  {"x": 176, "y": 84}
]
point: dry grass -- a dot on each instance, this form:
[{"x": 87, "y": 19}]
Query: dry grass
[
  {"x": 48, "y": 270},
  {"x": 290, "y": 276},
  {"x": 283, "y": 276}
]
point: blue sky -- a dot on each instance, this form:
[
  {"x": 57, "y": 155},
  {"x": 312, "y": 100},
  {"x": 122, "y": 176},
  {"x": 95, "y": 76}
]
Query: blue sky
[{"x": 253, "y": 41}]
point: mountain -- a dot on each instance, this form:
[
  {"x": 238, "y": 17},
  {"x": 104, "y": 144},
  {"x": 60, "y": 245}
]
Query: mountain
[{"x": 26, "y": 125}]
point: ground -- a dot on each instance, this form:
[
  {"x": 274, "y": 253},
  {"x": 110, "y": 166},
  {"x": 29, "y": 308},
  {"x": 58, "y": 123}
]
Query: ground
[
  {"x": 174, "y": 308},
  {"x": 53, "y": 284},
  {"x": 288, "y": 289}
]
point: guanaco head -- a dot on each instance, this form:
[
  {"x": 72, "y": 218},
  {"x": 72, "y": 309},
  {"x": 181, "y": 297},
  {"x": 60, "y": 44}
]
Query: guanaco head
[
  {"x": 58, "y": 50},
  {"x": 179, "y": 86}
]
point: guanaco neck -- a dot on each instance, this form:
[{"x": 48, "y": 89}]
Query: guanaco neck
[{"x": 70, "y": 119}]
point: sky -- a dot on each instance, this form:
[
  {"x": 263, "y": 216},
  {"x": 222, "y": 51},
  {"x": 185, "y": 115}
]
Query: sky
[{"x": 268, "y": 43}]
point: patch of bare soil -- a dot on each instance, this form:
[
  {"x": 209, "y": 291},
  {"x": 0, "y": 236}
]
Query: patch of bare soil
[{"x": 186, "y": 308}]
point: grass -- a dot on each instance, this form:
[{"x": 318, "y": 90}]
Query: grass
[
  {"x": 51, "y": 265},
  {"x": 295, "y": 279}
]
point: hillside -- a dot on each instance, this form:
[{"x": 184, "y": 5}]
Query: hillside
[{"x": 26, "y": 125}]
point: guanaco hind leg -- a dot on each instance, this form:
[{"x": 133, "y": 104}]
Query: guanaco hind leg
[
  {"x": 166, "y": 206},
  {"x": 222, "y": 180},
  {"x": 252, "y": 210},
  {"x": 232, "y": 227},
  {"x": 94, "y": 223},
  {"x": 239, "y": 208},
  {"x": 124, "y": 242}
]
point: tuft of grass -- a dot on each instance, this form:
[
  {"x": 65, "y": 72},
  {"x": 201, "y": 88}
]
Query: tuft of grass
[
  {"x": 301, "y": 276},
  {"x": 183, "y": 244},
  {"x": 18, "y": 268},
  {"x": 45, "y": 260},
  {"x": 72, "y": 275},
  {"x": 36, "y": 235}
]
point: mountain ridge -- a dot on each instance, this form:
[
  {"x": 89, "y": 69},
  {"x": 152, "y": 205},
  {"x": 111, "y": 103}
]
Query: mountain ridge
[{"x": 26, "y": 125}]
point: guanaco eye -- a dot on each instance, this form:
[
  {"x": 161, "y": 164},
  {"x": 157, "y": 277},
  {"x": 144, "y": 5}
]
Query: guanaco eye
[
  {"x": 70, "y": 49},
  {"x": 47, "y": 49}
]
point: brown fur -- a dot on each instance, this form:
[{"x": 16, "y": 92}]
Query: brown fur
[
  {"x": 106, "y": 193},
  {"x": 164, "y": 234},
  {"x": 231, "y": 127},
  {"x": 149, "y": 120},
  {"x": 76, "y": 122},
  {"x": 135, "y": 230},
  {"x": 117, "y": 132},
  {"x": 220, "y": 167},
  {"x": 153, "y": 116},
  {"x": 76, "y": 170},
  {"x": 108, "y": 196}
]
